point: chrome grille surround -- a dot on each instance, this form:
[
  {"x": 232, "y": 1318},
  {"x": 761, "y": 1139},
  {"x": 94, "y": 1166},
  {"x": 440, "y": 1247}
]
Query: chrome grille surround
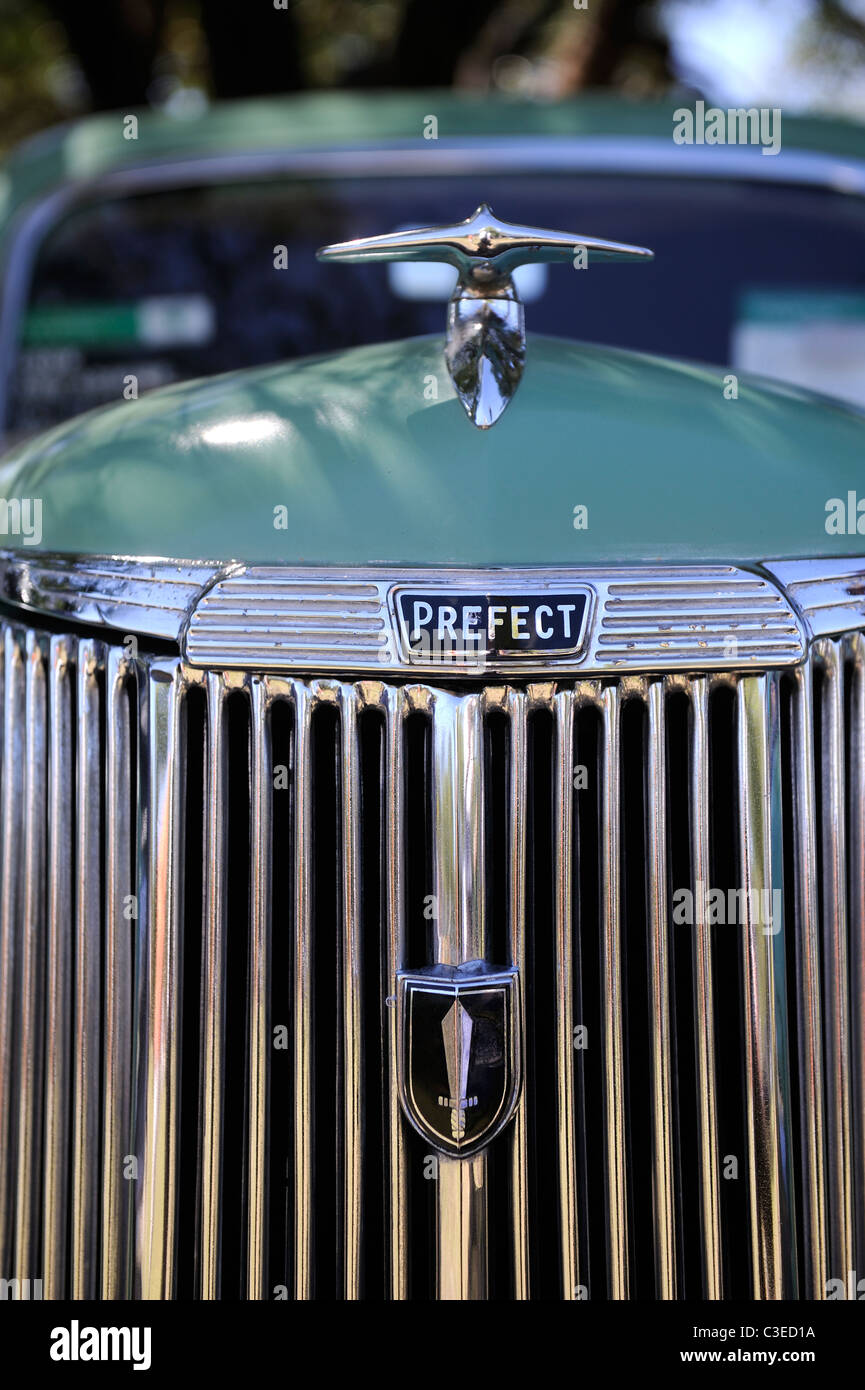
[
  {"x": 330, "y": 620},
  {"x": 94, "y": 1033}
]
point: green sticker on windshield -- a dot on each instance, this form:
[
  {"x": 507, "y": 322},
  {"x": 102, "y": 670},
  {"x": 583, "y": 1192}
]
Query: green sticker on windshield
[{"x": 161, "y": 321}]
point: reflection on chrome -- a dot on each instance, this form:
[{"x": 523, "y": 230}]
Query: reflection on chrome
[{"x": 485, "y": 342}]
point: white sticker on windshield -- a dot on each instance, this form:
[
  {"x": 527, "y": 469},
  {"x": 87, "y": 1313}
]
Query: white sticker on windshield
[
  {"x": 811, "y": 338},
  {"x": 176, "y": 320}
]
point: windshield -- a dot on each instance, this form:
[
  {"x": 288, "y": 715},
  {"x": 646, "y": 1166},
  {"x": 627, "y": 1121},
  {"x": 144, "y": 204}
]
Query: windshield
[{"x": 137, "y": 291}]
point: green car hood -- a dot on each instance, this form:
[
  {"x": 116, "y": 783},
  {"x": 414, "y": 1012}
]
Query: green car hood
[{"x": 367, "y": 457}]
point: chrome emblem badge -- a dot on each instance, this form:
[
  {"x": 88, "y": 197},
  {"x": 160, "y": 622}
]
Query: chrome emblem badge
[
  {"x": 459, "y": 1053},
  {"x": 442, "y": 625}
]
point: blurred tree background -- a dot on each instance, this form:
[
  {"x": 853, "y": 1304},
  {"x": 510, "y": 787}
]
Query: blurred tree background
[{"x": 62, "y": 58}]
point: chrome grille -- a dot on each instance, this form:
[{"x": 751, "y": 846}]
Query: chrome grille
[{"x": 210, "y": 880}]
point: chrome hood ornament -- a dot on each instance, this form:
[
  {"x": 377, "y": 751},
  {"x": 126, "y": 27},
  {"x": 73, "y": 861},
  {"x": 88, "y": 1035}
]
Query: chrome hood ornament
[{"x": 485, "y": 344}]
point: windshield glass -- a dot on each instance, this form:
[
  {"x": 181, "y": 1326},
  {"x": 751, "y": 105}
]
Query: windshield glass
[{"x": 134, "y": 292}]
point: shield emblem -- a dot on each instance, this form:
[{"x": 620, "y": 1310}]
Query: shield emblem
[{"x": 459, "y": 1054}]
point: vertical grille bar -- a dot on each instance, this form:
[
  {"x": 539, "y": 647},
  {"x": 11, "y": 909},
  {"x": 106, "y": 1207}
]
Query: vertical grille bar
[
  {"x": 302, "y": 985},
  {"x": 31, "y": 988},
  {"x": 459, "y": 936},
  {"x": 564, "y": 946},
  {"x": 766, "y": 1087},
  {"x": 460, "y": 933},
  {"x": 516, "y": 708},
  {"x": 162, "y": 869},
  {"x": 11, "y": 892},
  {"x": 112, "y": 1023},
  {"x": 58, "y": 1026},
  {"x": 261, "y": 775},
  {"x": 856, "y": 849},
  {"x": 118, "y": 975},
  {"x": 397, "y": 1176},
  {"x": 213, "y": 986},
  {"x": 704, "y": 1015},
  {"x": 352, "y": 997},
  {"x": 612, "y": 1001},
  {"x": 836, "y": 1011},
  {"x": 461, "y": 1232},
  {"x": 808, "y": 987},
  {"x": 88, "y": 965},
  {"x": 663, "y": 1189}
]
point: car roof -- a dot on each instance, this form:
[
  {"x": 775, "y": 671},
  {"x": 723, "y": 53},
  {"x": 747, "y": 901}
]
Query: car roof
[{"x": 97, "y": 145}]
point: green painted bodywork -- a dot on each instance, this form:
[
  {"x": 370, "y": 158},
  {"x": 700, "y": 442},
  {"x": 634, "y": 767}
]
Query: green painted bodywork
[
  {"x": 370, "y": 470},
  {"x": 95, "y": 146}
]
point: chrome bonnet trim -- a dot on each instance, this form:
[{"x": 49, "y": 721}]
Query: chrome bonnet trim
[
  {"x": 230, "y": 616},
  {"x": 332, "y": 619},
  {"x": 139, "y": 596},
  {"x": 829, "y": 594}
]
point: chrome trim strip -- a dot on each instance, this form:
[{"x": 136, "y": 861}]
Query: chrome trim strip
[
  {"x": 213, "y": 988},
  {"x": 517, "y": 720},
  {"x": 647, "y": 154},
  {"x": 285, "y": 618},
  {"x": 131, "y": 595},
  {"x": 563, "y": 806},
  {"x": 809, "y": 988},
  {"x": 835, "y": 982},
  {"x": 613, "y": 1003},
  {"x": 302, "y": 992},
  {"x": 396, "y": 1210},
  {"x": 11, "y": 897},
  {"x": 86, "y": 1110},
  {"x": 829, "y": 593},
  {"x": 352, "y": 1042},
  {"x": 260, "y": 1041},
  {"x": 663, "y": 1171},
  {"x": 162, "y": 872},
  {"x": 459, "y": 935},
  {"x": 767, "y": 1103},
  {"x": 704, "y": 1009},
  {"x": 58, "y": 1024},
  {"x": 30, "y": 986},
  {"x": 461, "y": 1228},
  {"x": 855, "y": 651},
  {"x": 119, "y": 974}
]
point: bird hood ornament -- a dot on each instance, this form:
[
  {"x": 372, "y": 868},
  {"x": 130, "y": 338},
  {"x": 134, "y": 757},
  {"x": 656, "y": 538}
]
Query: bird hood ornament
[{"x": 485, "y": 340}]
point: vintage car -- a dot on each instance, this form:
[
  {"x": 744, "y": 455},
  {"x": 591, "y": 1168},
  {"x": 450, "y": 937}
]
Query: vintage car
[
  {"x": 432, "y": 817},
  {"x": 142, "y": 251}
]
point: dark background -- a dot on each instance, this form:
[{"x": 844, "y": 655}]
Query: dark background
[{"x": 62, "y": 58}]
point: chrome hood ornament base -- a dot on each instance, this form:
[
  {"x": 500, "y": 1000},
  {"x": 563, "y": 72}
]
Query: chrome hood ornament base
[{"x": 485, "y": 344}]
